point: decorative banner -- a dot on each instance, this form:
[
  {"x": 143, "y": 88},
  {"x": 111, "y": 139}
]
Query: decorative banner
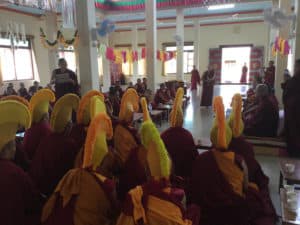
[
  {"x": 60, "y": 40},
  {"x": 123, "y": 56},
  {"x": 282, "y": 46},
  {"x": 140, "y": 4}
]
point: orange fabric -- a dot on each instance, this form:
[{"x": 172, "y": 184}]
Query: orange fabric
[
  {"x": 233, "y": 174},
  {"x": 159, "y": 212},
  {"x": 138, "y": 211},
  {"x": 124, "y": 142},
  {"x": 92, "y": 206}
]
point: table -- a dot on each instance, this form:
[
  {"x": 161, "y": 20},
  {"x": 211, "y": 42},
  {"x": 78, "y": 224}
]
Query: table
[
  {"x": 166, "y": 108},
  {"x": 289, "y": 217},
  {"x": 290, "y": 178}
]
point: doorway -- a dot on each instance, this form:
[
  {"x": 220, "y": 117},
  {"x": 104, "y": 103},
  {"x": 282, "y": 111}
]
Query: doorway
[{"x": 233, "y": 60}]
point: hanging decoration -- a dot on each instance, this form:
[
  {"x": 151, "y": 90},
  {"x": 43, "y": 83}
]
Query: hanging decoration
[
  {"x": 135, "y": 5},
  {"x": 106, "y": 27},
  {"x": 15, "y": 32},
  {"x": 60, "y": 40},
  {"x": 281, "y": 46},
  {"x": 68, "y": 13},
  {"x": 123, "y": 56},
  {"x": 278, "y": 18},
  {"x": 49, "y": 5}
]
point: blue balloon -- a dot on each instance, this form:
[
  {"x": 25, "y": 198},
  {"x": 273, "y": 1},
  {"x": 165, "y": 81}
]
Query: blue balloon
[{"x": 106, "y": 27}]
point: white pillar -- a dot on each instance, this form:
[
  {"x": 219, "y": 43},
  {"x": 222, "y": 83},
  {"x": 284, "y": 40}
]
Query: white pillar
[
  {"x": 296, "y": 49},
  {"x": 51, "y": 31},
  {"x": 197, "y": 44},
  {"x": 135, "y": 48},
  {"x": 151, "y": 43},
  {"x": 281, "y": 61},
  {"x": 87, "y": 53},
  {"x": 105, "y": 67},
  {"x": 180, "y": 44}
]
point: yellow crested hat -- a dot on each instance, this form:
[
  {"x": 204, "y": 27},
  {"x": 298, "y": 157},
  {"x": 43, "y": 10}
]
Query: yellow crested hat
[
  {"x": 16, "y": 98},
  {"x": 97, "y": 106},
  {"x": 235, "y": 121},
  {"x": 221, "y": 134},
  {"x": 62, "y": 112},
  {"x": 83, "y": 113},
  {"x": 157, "y": 156},
  {"x": 95, "y": 149},
  {"x": 13, "y": 115},
  {"x": 129, "y": 105},
  {"x": 39, "y": 104},
  {"x": 176, "y": 115}
]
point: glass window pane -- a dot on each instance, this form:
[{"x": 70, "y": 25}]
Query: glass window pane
[
  {"x": 70, "y": 58},
  {"x": 170, "y": 66},
  {"x": 171, "y": 48},
  {"x": 23, "y": 62},
  {"x": 142, "y": 67},
  {"x": 189, "y": 48},
  {"x": 7, "y": 64},
  {"x": 5, "y": 42}
]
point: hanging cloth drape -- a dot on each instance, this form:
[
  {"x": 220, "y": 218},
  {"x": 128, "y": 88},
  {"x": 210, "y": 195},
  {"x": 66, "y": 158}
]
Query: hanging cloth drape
[{"x": 69, "y": 13}]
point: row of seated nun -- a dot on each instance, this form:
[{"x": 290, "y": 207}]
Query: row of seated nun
[{"x": 139, "y": 169}]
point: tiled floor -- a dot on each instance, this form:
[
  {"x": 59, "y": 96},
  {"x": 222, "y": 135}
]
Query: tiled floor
[{"x": 198, "y": 121}]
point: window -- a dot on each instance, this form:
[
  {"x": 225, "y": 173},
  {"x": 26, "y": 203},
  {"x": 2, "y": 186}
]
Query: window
[
  {"x": 170, "y": 67},
  {"x": 69, "y": 55},
  {"x": 16, "y": 63}
]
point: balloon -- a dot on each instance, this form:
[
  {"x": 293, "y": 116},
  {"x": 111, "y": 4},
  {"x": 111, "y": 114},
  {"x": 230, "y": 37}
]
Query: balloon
[{"x": 106, "y": 27}]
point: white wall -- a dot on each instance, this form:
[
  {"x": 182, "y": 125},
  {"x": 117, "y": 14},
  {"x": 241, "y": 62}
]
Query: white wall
[
  {"x": 210, "y": 36},
  {"x": 32, "y": 27}
]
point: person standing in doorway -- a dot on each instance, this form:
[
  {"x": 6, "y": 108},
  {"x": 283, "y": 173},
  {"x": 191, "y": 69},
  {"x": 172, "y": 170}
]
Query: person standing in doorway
[
  {"x": 244, "y": 74},
  {"x": 208, "y": 79},
  {"x": 64, "y": 80},
  {"x": 270, "y": 75},
  {"x": 195, "y": 79}
]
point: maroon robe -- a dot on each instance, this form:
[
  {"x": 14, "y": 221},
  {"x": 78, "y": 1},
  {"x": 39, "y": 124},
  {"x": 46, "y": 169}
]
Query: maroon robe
[
  {"x": 255, "y": 173},
  {"x": 244, "y": 75},
  {"x": 195, "y": 79},
  {"x": 78, "y": 133},
  {"x": 270, "y": 76},
  {"x": 208, "y": 88},
  {"x": 219, "y": 204},
  {"x": 291, "y": 99},
  {"x": 33, "y": 137},
  {"x": 181, "y": 147},
  {"x": 55, "y": 156},
  {"x": 20, "y": 201}
]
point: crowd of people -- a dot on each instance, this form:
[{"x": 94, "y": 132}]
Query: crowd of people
[{"x": 76, "y": 176}]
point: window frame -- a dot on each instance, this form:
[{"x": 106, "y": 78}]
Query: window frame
[
  {"x": 63, "y": 49},
  {"x": 173, "y": 44},
  {"x": 29, "y": 39}
]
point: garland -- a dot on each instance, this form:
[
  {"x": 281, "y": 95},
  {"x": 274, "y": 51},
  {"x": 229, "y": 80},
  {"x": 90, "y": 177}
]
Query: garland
[{"x": 60, "y": 40}]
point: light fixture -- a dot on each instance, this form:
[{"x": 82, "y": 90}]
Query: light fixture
[{"x": 221, "y": 6}]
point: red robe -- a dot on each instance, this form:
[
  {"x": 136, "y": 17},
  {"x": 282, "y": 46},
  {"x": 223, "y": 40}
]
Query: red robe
[
  {"x": 219, "y": 204},
  {"x": 208, "y": 88},
  {"x": 244, "y": 75},
  {"x": 270, "y": 76},
  {"x": 20, "y": 200},
  {"x": 33, "y": 137},
  {"x": 195, "y": 79},
  {"x": 55, "y": 156},
  {"x": 181, "y": 147}
]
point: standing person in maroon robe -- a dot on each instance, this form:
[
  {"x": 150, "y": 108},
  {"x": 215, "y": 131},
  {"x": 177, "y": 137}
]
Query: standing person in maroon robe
[
  {"x": 244, "y": 74},
  {"x": 20, "y": 200},
  {"x": 40, "y": 127},
  {"x": 64, "y": 80},
  {"x": 195, "y": 78},
  {"x": 241, "y": 147},
  {"x": 291, "y": 101},
  {"x": 57, "y": 152},
  {"x": 208, "y": 79},
  {"x": 220, "y": 185},
  {"x": 269, "y": 78},
  {"x": 178, "y": 141}
]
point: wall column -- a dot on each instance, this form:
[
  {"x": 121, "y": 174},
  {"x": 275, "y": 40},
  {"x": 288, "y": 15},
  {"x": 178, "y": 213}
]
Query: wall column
[
  {"x": 180, "y": 44},
  {"x": 197, "y": 44},
  {"x": 51, "y": 31},
  {"x": 296, "y": 50},
  {"x": 135, "y": 48},
  {"x": 281, "y": 61},
  {"x": 105, "y": 67},
  {"x": 87, "y": 53},
  {"x": 151, "y": 43}
]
